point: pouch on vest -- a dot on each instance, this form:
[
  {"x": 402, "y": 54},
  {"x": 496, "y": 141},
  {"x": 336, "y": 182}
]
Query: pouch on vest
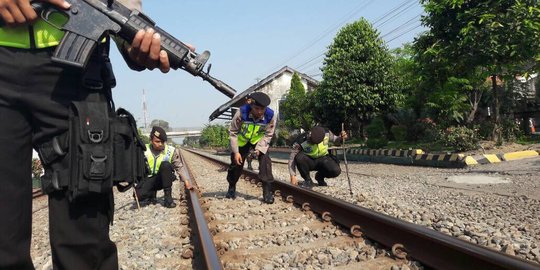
[
  {"x": 55, "y": 161},
  {"x": 100, "y": 150},
  {"x": 90, "y": 149},
  {"x": 130, "y": 164}
]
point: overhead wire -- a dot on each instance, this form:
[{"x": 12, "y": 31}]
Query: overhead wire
[
  {"x": 380, "y": 21},
  {"x": 385, "y": 15},
  {"x": 330, "y": 29},
  {"x": 403, "y": 9}
]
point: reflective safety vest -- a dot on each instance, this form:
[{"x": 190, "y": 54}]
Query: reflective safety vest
[
  {"x": 41, "y": 34},
  {"x": 317, "y": 150},
  {"x": 155, "y": 161},
  {"x": 253, "y": 131}
]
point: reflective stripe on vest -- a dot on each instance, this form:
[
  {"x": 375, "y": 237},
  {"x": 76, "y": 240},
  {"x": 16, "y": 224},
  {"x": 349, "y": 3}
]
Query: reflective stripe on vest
[
  {"x": 317, "y": 150},
  {"x": 155, "y": 161},
  {"x": 251, "y": 131},
  {"x": 45, "y": 35}
]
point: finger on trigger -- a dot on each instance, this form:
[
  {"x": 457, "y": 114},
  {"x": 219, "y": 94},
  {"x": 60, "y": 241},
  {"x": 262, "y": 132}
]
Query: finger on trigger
[{"x": 164, "y": 61}]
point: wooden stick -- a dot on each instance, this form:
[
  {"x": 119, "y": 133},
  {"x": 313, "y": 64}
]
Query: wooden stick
[
  {"x": 345, "y": 158},
  {"x": 136, "y": 198}
]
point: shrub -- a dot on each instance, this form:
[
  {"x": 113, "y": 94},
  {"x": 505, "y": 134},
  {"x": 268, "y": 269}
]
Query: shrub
[
  {"x": 424, "y": 130},
  {"x": 511, "y": 131},
  {"x": 400, "y": 132},
  {"x": 460, "y": 138},
  {"x": 375, "y": 129},
  {"x": 376, "y": 143},
  {"x": 485, "y": 130}
]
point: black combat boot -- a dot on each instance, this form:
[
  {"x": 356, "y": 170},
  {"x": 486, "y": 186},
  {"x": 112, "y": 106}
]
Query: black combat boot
[
  {"x": 320, "y": 180},
  {"x": 231, "y": 193},
  {"x": 142, "y": 201},
  {"x": 169, "y": 203},
  {"x": 268, "y": 196},
  {"x": 153, "y": 197},
  {"x": 308, "y": 183}
]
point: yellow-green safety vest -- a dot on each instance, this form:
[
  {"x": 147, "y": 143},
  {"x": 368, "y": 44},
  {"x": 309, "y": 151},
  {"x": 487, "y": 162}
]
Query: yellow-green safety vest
[
  {"x": 251, "y": 131},
  {"x": 44, "y": 34},
  {"x": 317, "y": 150},
  {"x": 155, "y": 161}
]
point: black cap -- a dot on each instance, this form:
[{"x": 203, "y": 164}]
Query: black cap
[
  {"x": 316, "y": 135},
  {"x": 260, "y": 99},
  {"x": 159, "y": 133}
]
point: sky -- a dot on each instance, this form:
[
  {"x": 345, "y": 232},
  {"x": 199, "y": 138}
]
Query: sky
[{"x": 248, "y": 41}]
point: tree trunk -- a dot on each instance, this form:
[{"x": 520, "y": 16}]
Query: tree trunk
[
  {"x": 477, "y": 95},
  {"x": 496, "y": 117}
]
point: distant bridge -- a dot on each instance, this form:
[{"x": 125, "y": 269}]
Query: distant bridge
[{"x": 178, "y": 132}]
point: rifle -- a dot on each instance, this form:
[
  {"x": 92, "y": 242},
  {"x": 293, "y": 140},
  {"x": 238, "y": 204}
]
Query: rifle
[{"x": 89, "y": 21}]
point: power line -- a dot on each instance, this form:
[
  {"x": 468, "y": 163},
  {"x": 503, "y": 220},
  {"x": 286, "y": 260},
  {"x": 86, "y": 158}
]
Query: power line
[
  {"x": 419, "y": 25},
  {"x": 311, "y": 60},
  {"x": 330, "y": 29},
  {"x": 391, "y": 11},
  {"x": 387, "y": 17},
  {"x": 407, "y": 23},
  {"x": 412, "y": 4}
]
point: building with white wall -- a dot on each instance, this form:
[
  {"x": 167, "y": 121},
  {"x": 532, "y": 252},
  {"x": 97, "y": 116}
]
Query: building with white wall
[{"x": 276, "y": 86}]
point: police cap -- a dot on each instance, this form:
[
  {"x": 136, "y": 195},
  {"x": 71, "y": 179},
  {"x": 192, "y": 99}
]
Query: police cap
[
  {"x": 316, "y": 134},
  {"x": 159, "y": 133},
  {"x": 260, "y": 99}
]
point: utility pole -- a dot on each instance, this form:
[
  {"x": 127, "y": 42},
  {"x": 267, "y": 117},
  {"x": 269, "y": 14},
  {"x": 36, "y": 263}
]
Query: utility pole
[{"x": 145, "y": 111}]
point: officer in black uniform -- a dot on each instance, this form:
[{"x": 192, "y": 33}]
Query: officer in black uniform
[
  {"x": 35, "y": 99},
  {"x": 310, "y": 153},
  {"x": 252, "y": 128},
  {"x": 163, "y": 160}
]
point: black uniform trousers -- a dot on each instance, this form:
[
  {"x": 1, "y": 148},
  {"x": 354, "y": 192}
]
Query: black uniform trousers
[
  {"x": 162, "y": 180},
  {"x": 326, "y": 166},
  {"x": 35, "y": 95},
  {"x": 265, "y": 166}
]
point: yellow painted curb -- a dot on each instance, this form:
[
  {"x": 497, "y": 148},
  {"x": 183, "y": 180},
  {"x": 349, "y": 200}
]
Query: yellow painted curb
[
  {"x": 492, "y": 158},
  {"x": 470, "y": 161},
  {"x": 520, "y": 155}
]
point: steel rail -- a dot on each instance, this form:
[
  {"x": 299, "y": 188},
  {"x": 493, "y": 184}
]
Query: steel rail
[
  {"x": 37, "y": 193},
  {"x": 433, "y": 249},
  {"x": 204, "y": 236}
]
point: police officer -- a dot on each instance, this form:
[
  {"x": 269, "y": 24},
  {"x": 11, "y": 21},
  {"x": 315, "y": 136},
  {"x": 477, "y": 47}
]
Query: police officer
[
  {"x": 163, "y": 161},
  {"x": 252, "y": 127},
  {"x": 35, "y": 96},
  {"x": 310, "y": 153}
]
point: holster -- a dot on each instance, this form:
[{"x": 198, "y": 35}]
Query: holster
[{"x": 99, "y": 150}]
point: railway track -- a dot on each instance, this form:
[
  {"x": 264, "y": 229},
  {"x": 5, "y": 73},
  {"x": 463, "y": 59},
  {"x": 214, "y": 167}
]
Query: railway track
[
  {"x": 303, "y": 229},
  {"x": 308, "y": 228}
]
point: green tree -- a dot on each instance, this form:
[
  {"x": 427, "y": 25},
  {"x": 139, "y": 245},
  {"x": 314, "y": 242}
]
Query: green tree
[
  {"x": 144, "y": 137},
  {"x": 214, "y": 136},
  {"x": 358, "y": 80},
  {"x": 296, "y": 108},
  {"x": 407, "y": 79},
  {"x": 500, "y": 36},
  {"x": 191, "y": 141}
]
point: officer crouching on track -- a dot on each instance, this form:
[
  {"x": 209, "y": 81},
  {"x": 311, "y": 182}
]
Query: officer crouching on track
[
  {"x": 310, "y": 153},
  {"x": 163, "y": 161},
  {"x": 252, "y": 127}
]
